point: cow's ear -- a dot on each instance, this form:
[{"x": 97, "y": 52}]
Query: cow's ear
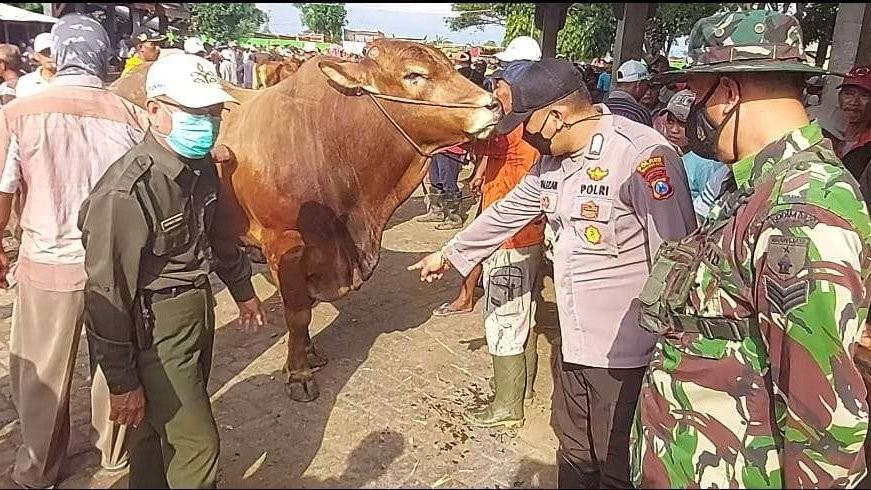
[{"x": 347, "y": 74}]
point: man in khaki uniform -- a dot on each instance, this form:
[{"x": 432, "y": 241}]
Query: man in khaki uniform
[
  {"x": 150, "y": 243},
  {"x": 612, "y": 190}
]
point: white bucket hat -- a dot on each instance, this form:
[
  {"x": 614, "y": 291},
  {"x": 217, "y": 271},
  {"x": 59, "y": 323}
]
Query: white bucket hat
[{"x": 187, "y": 80}]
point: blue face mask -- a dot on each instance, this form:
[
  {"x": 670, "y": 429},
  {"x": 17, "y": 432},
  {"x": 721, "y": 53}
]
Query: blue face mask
[{"x": 192, "y": 135}]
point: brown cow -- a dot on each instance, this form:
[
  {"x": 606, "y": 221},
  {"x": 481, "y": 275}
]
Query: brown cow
[
  {"x": 324, "y": 158},
  {"x": 270, "y": 73}
]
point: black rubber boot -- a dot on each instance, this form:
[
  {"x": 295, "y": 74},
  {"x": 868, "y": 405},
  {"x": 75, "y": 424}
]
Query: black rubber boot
[
  {"x": 435, "y": 210},
  {"x": 451, "y": 206}
]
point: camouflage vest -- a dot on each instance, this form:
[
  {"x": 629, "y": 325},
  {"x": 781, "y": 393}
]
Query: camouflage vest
[{"x": 666, "y": 293}]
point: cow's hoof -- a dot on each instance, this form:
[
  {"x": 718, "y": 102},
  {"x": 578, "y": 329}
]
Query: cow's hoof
[
  {"x": 315, "y": 359},
  {"x": 303, "y": 390}
]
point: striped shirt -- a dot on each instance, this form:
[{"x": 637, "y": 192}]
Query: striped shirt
[{"x": 625, "y": 105}]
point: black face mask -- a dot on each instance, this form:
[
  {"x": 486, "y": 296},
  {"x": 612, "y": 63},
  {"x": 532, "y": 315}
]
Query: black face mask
[
  {"x": 542, "y": 144},
  {"x": 702, "y": 133}
]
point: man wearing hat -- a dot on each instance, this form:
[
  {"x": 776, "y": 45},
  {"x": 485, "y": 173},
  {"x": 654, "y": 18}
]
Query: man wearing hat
[
  {"x": 150, "y": 242},
  {"x": 758, "y": 313},
  {"x": 37, "y": 80},
  {"x": 520, "y": 48},
  {"x": 194, "y": 46},
  {"x": 612, "y": 190},
  {"x": 854, "y": 144},
  {"x": 147, "y": 44},
  {"x": 60, "y": 143},
  {"x": 508, "y": 325},
  {"x": 632, "y": 82},
  {"x": 699, "y": 170}
]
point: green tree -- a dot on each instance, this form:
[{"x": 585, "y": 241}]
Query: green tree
[
  {"x": 33, "y": 7},
  {"x": 673, "y": 20},
  {"x": 218, "y": 22},
  {"x": 324, "y": 18},
  {"x": 477, "y": 15},
  {"x": 588, "y": 33},
  {"x": 818, "y": 25}
]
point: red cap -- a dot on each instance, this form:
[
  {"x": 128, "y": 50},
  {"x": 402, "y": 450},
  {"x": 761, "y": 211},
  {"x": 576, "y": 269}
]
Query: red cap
[{"x": 859, "y": 76}]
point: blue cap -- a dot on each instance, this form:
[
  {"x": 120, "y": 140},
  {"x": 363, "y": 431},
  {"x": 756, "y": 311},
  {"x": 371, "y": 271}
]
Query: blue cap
[{"x": 512, "y": 72}]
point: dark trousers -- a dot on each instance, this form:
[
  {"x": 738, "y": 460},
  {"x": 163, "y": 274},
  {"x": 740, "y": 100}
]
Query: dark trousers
[
  {"x": 177, "y": 445},
  {"x": 593, "y": 410},
  {"x": 444, "y": 171}
]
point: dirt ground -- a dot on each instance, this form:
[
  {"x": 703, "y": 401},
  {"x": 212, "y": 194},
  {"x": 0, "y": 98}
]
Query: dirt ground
[{"x": 389, "y": 412}]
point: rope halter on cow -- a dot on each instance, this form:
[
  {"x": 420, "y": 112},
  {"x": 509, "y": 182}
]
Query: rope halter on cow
[{"x": 405, "y": 100}]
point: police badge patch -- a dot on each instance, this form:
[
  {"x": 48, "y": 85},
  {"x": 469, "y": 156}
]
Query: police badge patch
[{"x": 654, "y": 173}]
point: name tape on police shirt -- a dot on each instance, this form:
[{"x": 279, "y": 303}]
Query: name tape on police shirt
[{"x": 653, "y": 172}]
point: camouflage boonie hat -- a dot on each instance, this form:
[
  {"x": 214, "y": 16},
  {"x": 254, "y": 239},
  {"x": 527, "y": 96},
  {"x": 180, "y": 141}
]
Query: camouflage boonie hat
[{"x": 745, "y": 41}]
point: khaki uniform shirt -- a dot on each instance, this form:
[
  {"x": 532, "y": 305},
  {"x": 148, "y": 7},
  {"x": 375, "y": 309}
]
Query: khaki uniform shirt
[
  {"x": 610, "y": 208},
  {"x": 148, "y": 227}
]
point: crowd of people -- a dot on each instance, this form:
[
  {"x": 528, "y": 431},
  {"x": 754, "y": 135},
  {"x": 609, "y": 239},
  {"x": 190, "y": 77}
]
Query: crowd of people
[
  {"x": 711, "y": 254},
  {"x": 711, "y": 282}
]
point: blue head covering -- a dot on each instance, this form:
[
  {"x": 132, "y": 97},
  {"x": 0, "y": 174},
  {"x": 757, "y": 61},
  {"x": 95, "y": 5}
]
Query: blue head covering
[
  {"x": 512, "y": 72},
  {"x": 80, "y": 46}
]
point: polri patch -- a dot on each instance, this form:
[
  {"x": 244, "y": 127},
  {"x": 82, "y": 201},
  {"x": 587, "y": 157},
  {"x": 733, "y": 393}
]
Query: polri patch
[
  {"x": 654, "y": 173},
  {"x": 786, "y": 255}
]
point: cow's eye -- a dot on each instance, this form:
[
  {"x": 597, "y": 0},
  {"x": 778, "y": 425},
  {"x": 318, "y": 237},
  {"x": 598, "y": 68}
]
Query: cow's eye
[{"x": 415, "y": 77}]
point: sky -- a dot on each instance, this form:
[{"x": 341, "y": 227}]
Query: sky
[{"x": 401, "y": 19}]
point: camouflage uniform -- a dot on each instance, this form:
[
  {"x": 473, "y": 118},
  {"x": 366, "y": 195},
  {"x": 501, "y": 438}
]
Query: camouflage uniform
[{"x": 752, "y": 381}]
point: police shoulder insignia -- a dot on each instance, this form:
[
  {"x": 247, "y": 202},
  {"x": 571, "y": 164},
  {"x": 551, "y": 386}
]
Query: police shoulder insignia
[
  {"x": 654, "y": 173},
  {"x": 597, "y": 173}
]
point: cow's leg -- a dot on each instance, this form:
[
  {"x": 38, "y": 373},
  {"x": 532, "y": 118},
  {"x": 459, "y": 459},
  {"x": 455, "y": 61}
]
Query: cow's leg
[{"x": 285, "y": 259}]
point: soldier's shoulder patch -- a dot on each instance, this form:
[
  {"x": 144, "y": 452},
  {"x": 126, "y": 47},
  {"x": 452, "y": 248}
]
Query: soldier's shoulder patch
[
  {"x": 786, "y": 255},
  {"x": 785, "y": 298},
  {"x": 654, "y": 172},
  {"x": 791, "y": 218}
]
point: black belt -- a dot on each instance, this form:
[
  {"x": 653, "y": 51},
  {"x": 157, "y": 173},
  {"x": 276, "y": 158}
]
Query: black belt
[{"x": 168, "y": 293}]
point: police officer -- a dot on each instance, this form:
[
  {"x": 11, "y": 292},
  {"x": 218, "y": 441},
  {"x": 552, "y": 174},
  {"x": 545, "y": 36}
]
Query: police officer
[
  {"x": 752, "y": 382},
  {"x": 149, "y": 244},
  {"x": 612, "y": 190}
]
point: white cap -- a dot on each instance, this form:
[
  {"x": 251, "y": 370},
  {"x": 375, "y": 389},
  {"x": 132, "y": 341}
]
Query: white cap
[
  {"x": 309, "y": 47},
  {"x": 42, "y": 42},
  {"x": 193, "y": 45},
  {"x": 188, "y": 80},
  {"x": 632, "y": 71},
  {"x": 521, "y": 48}
]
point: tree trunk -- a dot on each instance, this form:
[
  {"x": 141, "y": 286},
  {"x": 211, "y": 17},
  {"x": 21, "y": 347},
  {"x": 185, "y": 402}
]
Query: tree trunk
[
  {"x": 669, "y": 44},
  {"x": 822, "y": 51}
]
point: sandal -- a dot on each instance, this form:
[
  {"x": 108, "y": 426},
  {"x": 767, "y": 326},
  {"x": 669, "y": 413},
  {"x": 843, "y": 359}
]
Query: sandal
[{"x": 447, "y": 310}]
